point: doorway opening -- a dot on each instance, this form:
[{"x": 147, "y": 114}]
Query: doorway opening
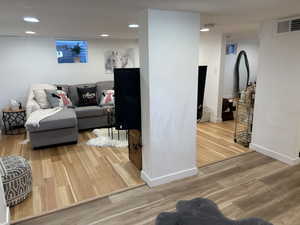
[{"x": 225, "y": 132}]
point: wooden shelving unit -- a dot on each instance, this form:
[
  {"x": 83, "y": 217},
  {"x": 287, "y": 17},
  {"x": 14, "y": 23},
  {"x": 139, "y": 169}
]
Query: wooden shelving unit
[
  {"x": 244, "y": 117},
  {"x": 243, "y": 123}
]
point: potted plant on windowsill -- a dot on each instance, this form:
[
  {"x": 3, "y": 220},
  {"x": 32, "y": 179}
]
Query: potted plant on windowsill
[{"x": 76, "y": 51}]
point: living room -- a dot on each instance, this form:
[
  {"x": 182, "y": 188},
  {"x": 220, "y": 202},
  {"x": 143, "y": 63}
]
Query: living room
[
  {"x": 62, "y": 66},
  {"x": 57, "y": 166},
  {"x": 45, "y": 70}
]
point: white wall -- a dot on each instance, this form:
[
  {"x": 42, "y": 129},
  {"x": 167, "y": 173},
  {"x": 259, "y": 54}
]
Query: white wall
[
  {"x": 251, "y": 47},
  {"x": 210, "y": 54},
  {"x": 25, "y": 61},
  {"x": 169, "y": 63},
  {"x": 277, "y": 108},
  {"x": 220, "y": 74},
  {"x": 33, "y": 60}
]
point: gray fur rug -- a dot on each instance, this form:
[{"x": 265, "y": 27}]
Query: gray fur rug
[
  {"x": 105, "y": 140},
  {"x": 201, "y": 211}
]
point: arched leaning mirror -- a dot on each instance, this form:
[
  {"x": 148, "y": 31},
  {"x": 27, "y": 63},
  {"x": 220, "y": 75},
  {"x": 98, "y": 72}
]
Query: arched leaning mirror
[{"x": 241, "y": 73}]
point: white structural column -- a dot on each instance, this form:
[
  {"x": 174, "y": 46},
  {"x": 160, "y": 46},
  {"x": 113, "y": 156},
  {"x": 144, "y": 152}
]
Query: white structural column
[{"x": 169, "y": 55}]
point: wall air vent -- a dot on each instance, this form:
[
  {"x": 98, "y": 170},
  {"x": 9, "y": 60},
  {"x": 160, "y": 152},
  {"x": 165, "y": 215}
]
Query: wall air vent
[
  {"x": 288, "y": 25},
  {"x": 295, "y": 25}
]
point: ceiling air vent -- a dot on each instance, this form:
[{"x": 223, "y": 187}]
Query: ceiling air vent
[{"x": 288, "y": 25}]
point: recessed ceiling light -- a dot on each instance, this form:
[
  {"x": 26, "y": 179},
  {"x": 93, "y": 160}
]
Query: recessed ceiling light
[
  {"x": 31, "y": 19},
  {"x": 133, "y": 25},
  {"x": 204, "y": 29},
  {"x": 29, "y": 32},
  {"x": 104, "y": 35}
]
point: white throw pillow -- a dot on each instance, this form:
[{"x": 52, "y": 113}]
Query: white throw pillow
[{"x": 41, "y": 98}]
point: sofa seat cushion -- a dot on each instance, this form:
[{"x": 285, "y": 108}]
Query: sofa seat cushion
[
  {"x": 65, "y": 118},
  {"x": 90, "y": 111}
]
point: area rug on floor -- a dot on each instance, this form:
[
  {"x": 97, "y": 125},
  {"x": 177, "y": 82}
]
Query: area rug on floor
[
  {"x": 202, "y": 211},
  {"x": 103, "y": 139}
]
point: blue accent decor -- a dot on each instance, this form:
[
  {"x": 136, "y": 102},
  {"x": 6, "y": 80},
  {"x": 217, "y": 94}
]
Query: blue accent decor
[
  {"x": 72, "y": 51},
  {"x": 231, "y": 49}
]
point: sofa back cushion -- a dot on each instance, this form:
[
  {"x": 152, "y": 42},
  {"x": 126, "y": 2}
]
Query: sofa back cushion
[
  {"x": 31, "y": 104},
  {"x": 106, "y": 85},
  {"x": 41, "y": 97},
  {"x": 73, "y": 93}
]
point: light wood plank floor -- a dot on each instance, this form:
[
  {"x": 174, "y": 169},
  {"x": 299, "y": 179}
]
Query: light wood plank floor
[
  {"x": 250, "y": 185},
  {"x": 67, "y": 175},
  {"x": 215, "y": 142}
]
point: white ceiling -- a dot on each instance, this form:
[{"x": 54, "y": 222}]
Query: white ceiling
[{"x": 87, "y": 18}]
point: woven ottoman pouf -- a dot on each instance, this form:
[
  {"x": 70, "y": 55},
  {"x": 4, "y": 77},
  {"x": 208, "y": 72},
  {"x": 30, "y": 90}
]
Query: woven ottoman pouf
[{"x": 16, "y": 177}]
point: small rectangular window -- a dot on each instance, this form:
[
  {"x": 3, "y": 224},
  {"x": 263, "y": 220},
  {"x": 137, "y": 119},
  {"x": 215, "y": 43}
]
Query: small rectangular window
[{"x": 72, "y": 51}]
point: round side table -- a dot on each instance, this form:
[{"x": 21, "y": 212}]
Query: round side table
[{"x": 13, "y": 121}]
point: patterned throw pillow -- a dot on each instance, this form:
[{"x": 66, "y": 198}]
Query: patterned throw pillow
[
  {"x": 87, "y": 96},
  {"x": 58, "y": 98},
  {"x": 108, "y": 98}
]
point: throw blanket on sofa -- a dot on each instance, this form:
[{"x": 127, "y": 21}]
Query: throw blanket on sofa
[{"x": 38, "y": 115}]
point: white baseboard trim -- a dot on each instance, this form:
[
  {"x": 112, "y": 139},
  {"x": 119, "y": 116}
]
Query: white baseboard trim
[
  {"x": 215, "y": 119},
  {"x": 7, "y": 219},
  {"x": 152, "y": 182},
  {"x": 275, "y": 155}
]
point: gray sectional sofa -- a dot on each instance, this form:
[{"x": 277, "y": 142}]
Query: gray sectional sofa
[{"x": 63, "y": 127}]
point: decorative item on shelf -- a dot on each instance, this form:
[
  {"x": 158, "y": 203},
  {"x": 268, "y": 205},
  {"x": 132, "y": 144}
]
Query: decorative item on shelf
[
  {"x": 242, "y": 96},
  {"x": 14, "y": 104},
  {"x": 228, "y": 108},
  {"x": 244, "y": 116}
]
